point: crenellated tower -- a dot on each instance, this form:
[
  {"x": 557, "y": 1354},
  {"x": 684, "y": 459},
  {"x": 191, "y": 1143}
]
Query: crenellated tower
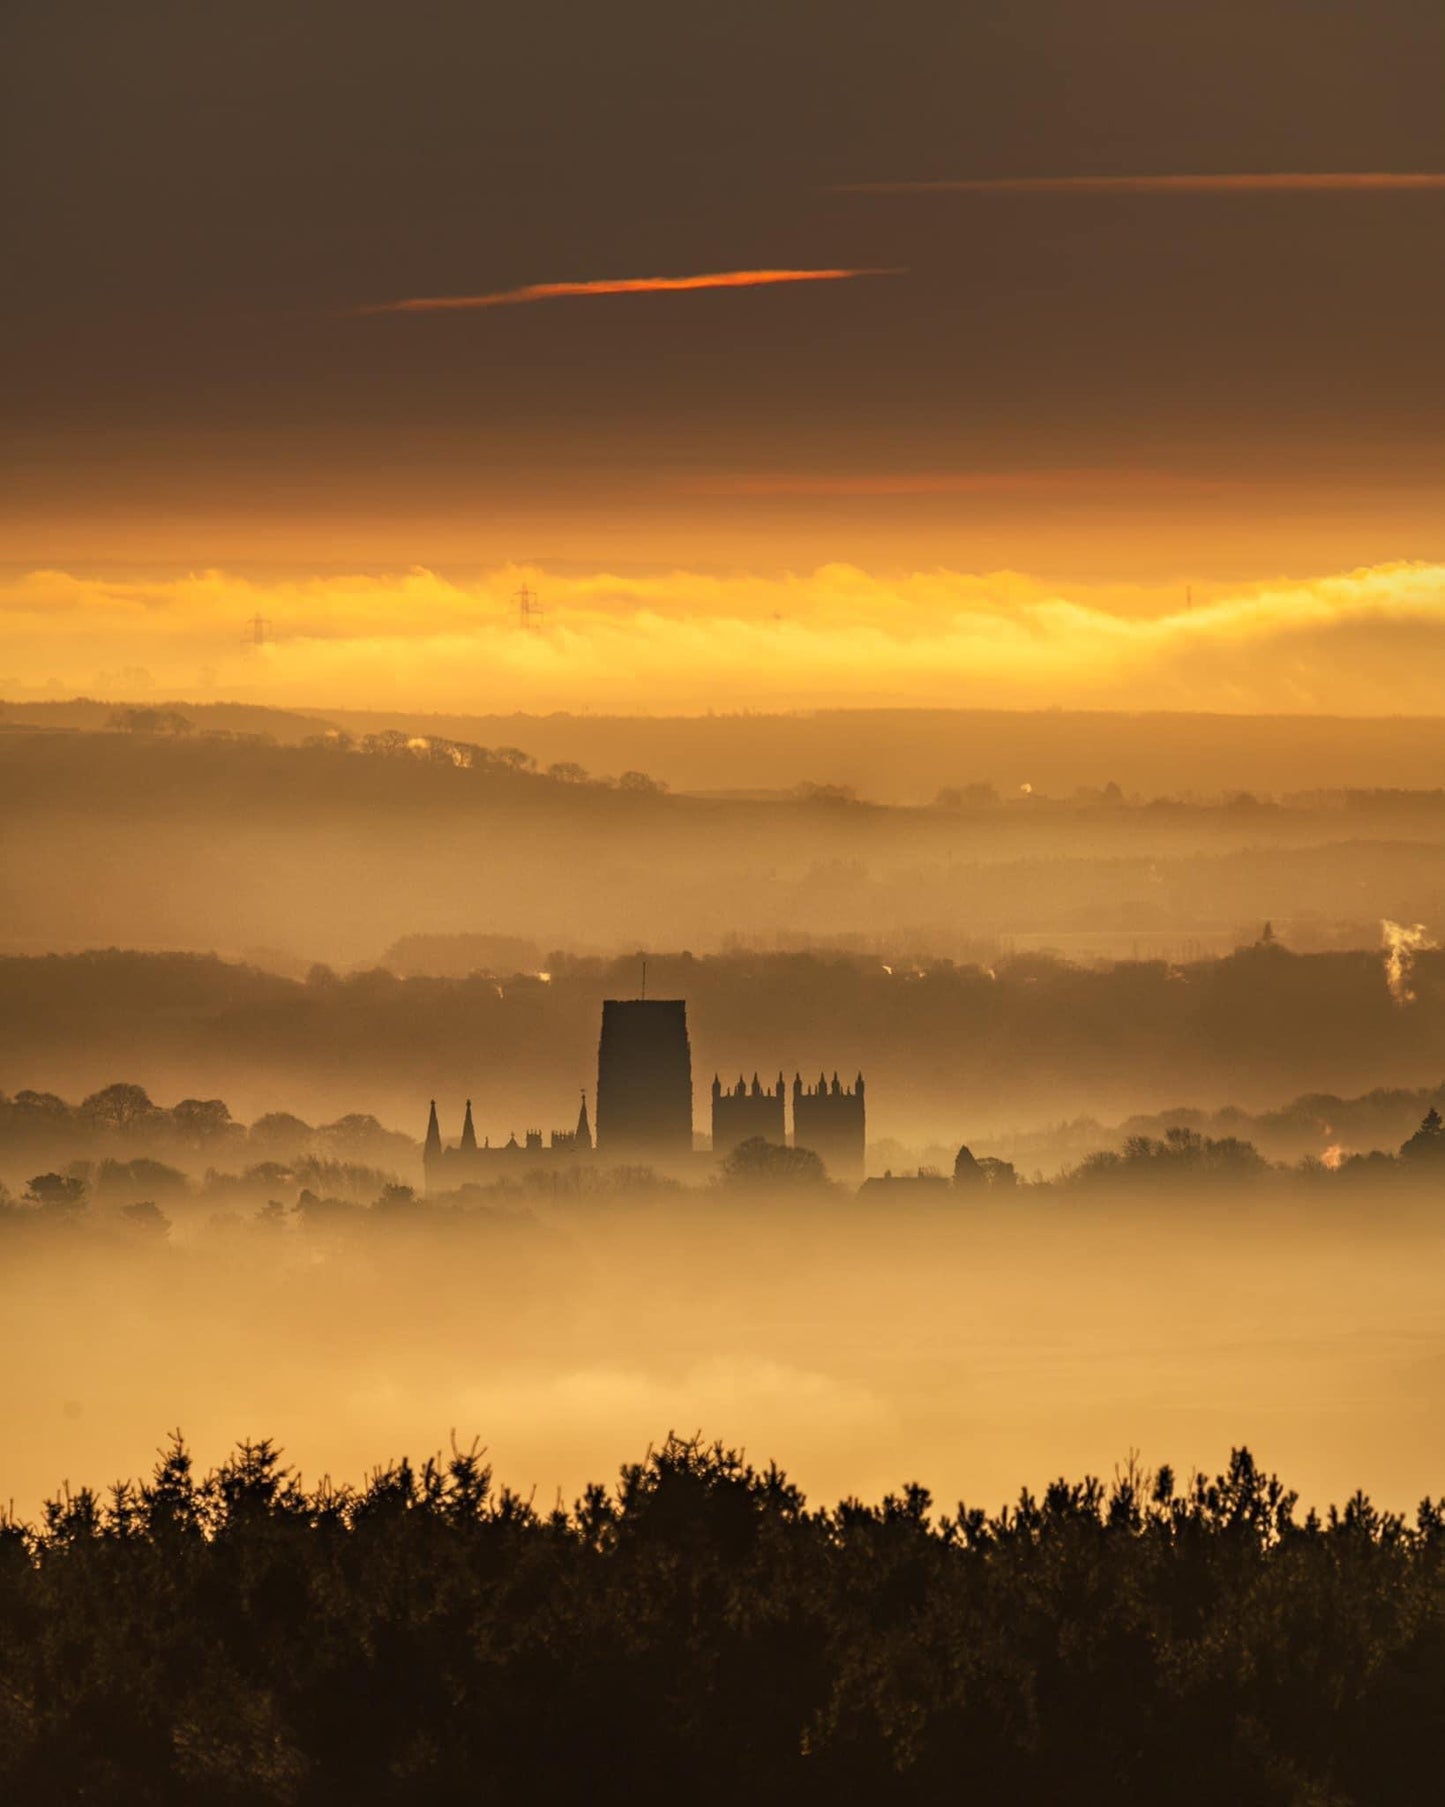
[
  {"x": 747, "y": 1111},
  {"x": 830, "y": 1119}
]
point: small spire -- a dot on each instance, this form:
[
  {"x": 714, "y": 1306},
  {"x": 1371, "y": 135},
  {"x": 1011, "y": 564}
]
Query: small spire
[
  {"x": 469, "y": 1135},
  {"x": 433, "y": 1135},
  {"x": 584, "y": 1128}
]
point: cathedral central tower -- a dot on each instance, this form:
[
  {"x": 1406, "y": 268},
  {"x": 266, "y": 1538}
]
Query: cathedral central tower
[{"x": 644, "y": 1080}]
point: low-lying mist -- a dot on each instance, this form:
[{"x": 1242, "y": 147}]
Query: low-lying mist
[
  {"x": 338, "y": 850},
  {"x": 973, "y": 1346},
  {"x": 951, "y": 1051}
]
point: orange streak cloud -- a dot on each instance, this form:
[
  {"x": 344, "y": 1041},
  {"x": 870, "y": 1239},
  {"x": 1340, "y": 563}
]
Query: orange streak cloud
[
  {"x": 1056, "y": 481},
  {"x": 629, "y": 285},
  {"x": 1326, "y": 182}
]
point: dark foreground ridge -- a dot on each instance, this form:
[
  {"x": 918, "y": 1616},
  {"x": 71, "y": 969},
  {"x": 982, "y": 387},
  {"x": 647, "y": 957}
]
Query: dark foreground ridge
[{"x": 699, "y": 1634}]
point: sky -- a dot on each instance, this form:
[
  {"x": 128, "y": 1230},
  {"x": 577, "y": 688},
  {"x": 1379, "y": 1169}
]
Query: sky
[{"x": 1125, "y": 312}]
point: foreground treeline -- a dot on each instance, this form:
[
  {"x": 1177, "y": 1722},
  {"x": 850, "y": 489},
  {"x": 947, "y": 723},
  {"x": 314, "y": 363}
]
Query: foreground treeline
[{"x": 700, "y": 1633}]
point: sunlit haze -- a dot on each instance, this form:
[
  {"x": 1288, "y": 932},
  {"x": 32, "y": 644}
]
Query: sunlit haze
[{"x": 722, "y": 786}]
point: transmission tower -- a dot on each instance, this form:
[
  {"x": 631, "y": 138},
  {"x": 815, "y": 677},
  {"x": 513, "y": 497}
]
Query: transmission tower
[
  {"x": 258, "y": 631},
  {"x": 529, "y": 610}
]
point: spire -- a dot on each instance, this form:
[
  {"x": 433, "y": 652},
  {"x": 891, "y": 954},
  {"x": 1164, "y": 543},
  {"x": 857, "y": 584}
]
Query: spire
[
  {"x": 716, "y": 1089},
  {"x": 433, "y": 1135},
  {"x": 757, "y": 1089},
  {"x": 584, "y": 1128},
  {"x": 469, "y": 1135}
]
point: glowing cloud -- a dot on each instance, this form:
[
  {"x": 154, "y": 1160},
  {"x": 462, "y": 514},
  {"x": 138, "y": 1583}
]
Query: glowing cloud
[
  {"x": 629, "y": 285},
  {"x": 1401, "y": 946},
  {"x": 1364, "y": 642},
  {"x": 1272, "y": 182}
]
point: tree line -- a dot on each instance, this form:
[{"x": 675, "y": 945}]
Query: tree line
[
  {"x": 169, "y": 723},
  {"x": 698, "y": 1632},
  {"x": 1024, "y": 1037}
]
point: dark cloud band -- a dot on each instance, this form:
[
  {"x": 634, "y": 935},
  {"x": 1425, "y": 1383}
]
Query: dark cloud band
[{"x": 1282, "y": 182}]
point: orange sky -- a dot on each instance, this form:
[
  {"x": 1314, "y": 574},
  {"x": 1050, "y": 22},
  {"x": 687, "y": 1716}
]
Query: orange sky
[
  {"x": 1369, "y": 641},
  {"x": 1146, "y": 312}
]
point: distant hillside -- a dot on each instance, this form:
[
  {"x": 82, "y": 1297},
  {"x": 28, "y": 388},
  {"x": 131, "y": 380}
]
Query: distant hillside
[
  {"x": 173, "y": 837},
  {"x": 892, "y": 755},
  {"x": 283, "y": 725},
  {"x": 908, "y": 755}
]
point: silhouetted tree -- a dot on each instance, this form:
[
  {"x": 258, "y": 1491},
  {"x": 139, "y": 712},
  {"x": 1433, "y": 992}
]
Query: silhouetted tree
[
  {"x": 121, "y": 1107},
  {"x": 1428, "y": 1142},
  {"x": 1183, "y": 1155},
  {"x": 119, "y": 1181},
  {"x": 280, "y": 1134},
  {"x": 763, "y": 1165},
  {"x": 147, "y": 720},
  {"x": 641, "y": 784},
  {"x": 203, "y": 1120},
  {"x": 59, "y": 1192},
  {"x": 240, "y": 1637},
  {"x": 966, "y": 1170}
]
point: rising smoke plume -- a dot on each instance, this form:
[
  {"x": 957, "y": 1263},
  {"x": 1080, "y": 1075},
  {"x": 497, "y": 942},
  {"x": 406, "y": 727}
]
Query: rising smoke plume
[{"x": 1401, "y": 946}]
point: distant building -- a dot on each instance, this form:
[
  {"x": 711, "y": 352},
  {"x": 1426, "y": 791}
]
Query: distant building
[
  {"x": 471, "y": 1164},
  {"x": 644, "y": 1081},
  {"x": 829, "y": 1119},
  {"x": 741, "y": 1114},
  {"x": 913, "y": 1188},
  {"x": 644, "y": 1112}
]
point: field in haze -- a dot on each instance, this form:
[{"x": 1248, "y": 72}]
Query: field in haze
[
  {"x": 352, "y": 927},
  {"x": 973, "y": 1348},
  {"x": 205, "y": 843}
]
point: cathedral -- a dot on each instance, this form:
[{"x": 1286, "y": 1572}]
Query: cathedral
[
  {"x": 829, "y": 1119},
  {"x": 644, "y": 1113},
  {"x": 471, "y": 1162}
]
